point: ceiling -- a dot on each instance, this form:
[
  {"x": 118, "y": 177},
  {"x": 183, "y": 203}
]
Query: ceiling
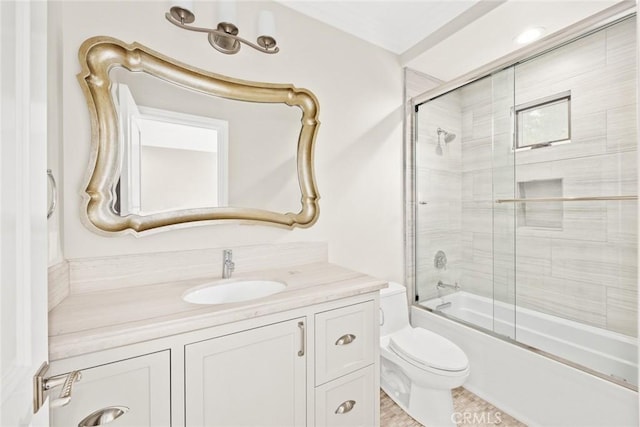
[
  {"x": 446, "y": 38},
  {"x": 395, "y": 25}
]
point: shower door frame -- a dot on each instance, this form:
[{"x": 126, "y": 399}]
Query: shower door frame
[{"x": 583, "y": 28}]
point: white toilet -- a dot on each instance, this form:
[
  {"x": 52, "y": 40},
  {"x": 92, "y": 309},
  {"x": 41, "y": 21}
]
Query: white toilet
[{"x": 418, "y": 367}]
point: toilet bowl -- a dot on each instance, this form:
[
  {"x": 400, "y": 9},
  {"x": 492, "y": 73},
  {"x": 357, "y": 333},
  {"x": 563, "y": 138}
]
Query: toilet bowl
[{"x": 418, "y": 367}]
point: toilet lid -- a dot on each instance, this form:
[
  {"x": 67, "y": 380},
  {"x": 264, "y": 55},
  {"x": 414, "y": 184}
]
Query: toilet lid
[{"x": 427, "y": 348}]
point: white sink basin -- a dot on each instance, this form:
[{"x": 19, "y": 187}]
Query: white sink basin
[{"x": 235, "y": 291}]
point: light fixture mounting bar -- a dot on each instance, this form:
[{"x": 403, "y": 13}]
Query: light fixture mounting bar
[{"x": 224, "y": 38}]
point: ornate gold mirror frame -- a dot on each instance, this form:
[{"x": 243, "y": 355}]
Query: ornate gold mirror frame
[{"x": 98, "y": 55}]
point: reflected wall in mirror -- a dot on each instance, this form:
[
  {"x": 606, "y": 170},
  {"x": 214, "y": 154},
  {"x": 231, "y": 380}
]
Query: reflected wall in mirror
[{"x": 175, "y": 145}]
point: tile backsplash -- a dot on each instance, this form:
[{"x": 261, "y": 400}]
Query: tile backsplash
[{"x": 104, "y": 273}]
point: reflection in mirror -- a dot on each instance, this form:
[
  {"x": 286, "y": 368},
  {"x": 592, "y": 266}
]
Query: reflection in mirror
[
  {"x": 175, "y": 144},
  {"x": 260, "y": 156},
  {"x": 169, "y": 160}
]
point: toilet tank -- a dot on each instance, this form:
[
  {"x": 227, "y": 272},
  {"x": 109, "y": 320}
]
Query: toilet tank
[{"x": 394, "y": 309}]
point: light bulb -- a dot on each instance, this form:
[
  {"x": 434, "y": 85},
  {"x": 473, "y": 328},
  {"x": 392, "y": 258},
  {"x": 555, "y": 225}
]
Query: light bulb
[
  {"x": 529, "y": 35},
  {"x": 266, "y": 24},
  {"x": 227, "y": 11}
]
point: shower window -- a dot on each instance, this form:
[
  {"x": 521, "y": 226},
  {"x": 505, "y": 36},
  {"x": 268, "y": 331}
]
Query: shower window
[{"x": 544, "y": 121}]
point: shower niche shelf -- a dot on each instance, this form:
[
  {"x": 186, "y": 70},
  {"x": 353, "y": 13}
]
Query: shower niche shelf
[{"x": 547, "y": 215}]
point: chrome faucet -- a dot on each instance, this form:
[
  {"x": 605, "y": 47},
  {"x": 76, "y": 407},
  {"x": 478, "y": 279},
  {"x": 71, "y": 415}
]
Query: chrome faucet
[
  {"x": 227, "y": 263},
  {"x": 441, "y": 285}
]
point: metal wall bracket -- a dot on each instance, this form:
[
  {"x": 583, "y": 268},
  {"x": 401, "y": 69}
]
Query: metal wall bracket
[{"x": 38, "y": 387}]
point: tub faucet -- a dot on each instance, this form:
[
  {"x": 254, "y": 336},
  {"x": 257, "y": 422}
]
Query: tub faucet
[
  {"x": 442, "y": 306},
  {"x": 441, "y": 285},
  {"x": 227, "y": 263}
]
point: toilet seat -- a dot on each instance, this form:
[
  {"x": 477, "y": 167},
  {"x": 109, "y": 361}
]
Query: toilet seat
[{"x": 428, "y": 350}]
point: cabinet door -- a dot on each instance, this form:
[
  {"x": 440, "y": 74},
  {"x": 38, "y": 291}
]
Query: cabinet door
[
  {"x": 344, "y": 340},
  {"x": 348, "y": 401},
  {"x": 250, "y": 378},
  {"x": 141, "y": 385}
]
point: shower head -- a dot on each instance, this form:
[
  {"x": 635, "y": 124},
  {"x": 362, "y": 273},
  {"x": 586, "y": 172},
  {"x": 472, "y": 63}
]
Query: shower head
[{"x": 448, "y": 136}]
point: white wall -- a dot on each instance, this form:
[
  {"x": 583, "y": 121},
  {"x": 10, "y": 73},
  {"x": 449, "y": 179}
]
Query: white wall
[{"x": 358, "y": 149}]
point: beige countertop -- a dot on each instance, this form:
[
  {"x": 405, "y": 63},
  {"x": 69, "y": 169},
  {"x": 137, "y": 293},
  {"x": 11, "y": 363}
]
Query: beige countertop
[{"x": 99, "y": 320}]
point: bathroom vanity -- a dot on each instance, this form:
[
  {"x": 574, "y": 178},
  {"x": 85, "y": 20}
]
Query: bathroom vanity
[{"x": 305, "y": 356}]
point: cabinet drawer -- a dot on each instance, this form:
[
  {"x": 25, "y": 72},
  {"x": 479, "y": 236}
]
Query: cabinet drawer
[
  {"x": 344, "y": 340},
  {"x": 140, "y": 384},
  {"x": 347, "y": 401}
]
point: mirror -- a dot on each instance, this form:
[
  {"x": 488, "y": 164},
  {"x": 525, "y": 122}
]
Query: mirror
[{"x": 174, "y": 145}]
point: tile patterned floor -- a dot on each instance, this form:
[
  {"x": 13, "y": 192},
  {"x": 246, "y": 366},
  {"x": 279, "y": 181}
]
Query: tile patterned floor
[{"x": 471, "y": 411}]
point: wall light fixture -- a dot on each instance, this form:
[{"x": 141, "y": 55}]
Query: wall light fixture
[{"x": 225, "y": 38}]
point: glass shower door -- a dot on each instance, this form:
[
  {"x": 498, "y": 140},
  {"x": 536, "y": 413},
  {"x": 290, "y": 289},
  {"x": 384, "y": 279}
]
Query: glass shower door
[
  {"x": 576, "y": 224},
  {"x": 526, "y": 221},
  {"x": 438, "y": 252},
  {"x": 464, "y": 245},
  {"x": 503, "y": 214}
]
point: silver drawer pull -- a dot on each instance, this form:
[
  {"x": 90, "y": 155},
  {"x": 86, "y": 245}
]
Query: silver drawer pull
[
  {"x": 103, "y": 416},
  {"x": 346, "y": 339},
  {"x": 302, "y": 339},
  {"x": 345, "y": 407}
]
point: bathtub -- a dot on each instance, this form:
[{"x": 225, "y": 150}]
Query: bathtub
[{"x": 605, "y": 352}]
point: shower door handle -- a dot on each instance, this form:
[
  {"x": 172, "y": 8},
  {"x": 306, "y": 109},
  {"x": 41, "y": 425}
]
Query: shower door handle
[{"x": 569, "y": 199}]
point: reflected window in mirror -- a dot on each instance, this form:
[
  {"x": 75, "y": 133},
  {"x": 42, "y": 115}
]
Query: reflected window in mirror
[{"x": 169, "y": 160}]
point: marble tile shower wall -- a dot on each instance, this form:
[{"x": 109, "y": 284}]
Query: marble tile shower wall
[{"x": 585, "y": 269}]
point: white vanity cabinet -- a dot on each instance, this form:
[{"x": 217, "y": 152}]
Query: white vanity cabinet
[
  {"x": 139, "y": 386},
  {"x": 249, "y": 378},
  {"x": 315, "y": 365}
]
